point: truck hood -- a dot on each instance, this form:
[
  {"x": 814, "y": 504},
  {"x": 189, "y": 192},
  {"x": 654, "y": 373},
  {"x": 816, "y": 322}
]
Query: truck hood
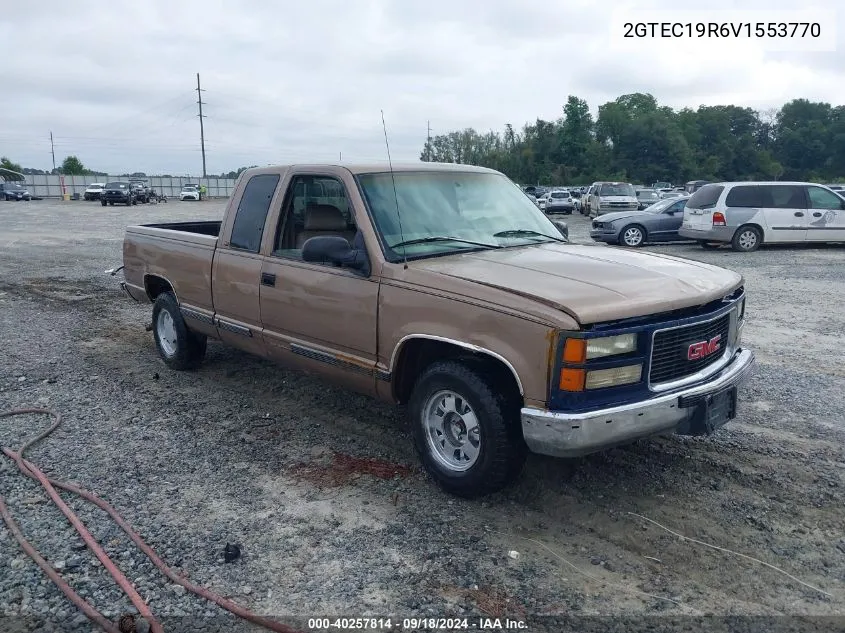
[{"x": 591, "y": 283}]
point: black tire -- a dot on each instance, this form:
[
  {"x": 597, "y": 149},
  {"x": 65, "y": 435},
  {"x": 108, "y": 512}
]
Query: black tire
[
  {"x": 111, "y": 204},
  {"x": 103, "y": 203},
  {"x": 502, "y": 450},
  {"x": 747, "y": 239},
  {"x": 189, "y": 347},
  {"x": 632, "y": 229},
  {"x": 710, "y": 246}
]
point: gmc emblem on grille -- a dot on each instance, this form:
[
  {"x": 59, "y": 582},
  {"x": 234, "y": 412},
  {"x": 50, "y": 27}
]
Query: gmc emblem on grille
[{"x": 702, "y": 349}]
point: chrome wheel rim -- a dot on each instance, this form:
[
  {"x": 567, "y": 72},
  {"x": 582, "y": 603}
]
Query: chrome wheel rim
[
  {"x": 166, "y": 329},
  {"x": 747, "y": 239},
  {"x": 452, "y": 430},
  {"x": 632, "y": 237}
]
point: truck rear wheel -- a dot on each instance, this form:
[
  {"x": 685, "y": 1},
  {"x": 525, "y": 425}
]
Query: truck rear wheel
[
  {"x": 179, "y": 347},
  {"x": 463, "y": 431}
]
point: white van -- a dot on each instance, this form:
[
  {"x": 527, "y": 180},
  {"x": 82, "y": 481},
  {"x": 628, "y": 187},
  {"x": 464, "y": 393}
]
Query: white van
[{"x": 747, "y": 214}]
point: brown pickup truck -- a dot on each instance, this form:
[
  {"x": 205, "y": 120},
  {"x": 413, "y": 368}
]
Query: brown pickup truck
[{"x": 443, "y": 287}]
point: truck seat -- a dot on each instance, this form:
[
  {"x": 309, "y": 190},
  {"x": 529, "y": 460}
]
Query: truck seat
[{"x": 324, "y": 219}]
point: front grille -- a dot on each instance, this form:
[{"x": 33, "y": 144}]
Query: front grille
[{"x": 669, "y": 359}]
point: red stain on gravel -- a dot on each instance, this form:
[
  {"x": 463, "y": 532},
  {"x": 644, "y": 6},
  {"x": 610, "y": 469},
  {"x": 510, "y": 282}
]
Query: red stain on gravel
[{"x": 344, "y": 469}]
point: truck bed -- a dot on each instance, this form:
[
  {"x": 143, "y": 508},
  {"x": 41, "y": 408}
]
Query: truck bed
[
  {"x": 203, "y": 227},
  {"x": 179, "y": 252}
]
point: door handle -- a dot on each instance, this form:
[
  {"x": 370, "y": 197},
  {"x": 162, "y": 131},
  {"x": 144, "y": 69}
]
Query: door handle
[
  {"x": 799, "y": 214},
  {"x": 817, "y": 214},
  {"x": 268, "y": 279}
]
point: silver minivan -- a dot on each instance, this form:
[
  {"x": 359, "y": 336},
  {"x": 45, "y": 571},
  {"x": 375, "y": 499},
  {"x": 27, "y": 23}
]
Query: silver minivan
[{"x": 747, "y": 214}]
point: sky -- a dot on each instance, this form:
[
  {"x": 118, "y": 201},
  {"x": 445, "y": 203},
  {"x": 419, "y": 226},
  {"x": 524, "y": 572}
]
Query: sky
[{"x": 307, "y": 81}]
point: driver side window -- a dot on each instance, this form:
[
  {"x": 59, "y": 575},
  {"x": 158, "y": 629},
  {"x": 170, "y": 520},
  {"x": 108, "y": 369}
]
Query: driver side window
[{"x": 313, "y": 206}]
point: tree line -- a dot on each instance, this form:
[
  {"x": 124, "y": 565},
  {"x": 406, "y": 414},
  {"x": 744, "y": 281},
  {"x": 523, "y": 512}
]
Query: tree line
[
  {"x": 635, "y": 139},
  {"x": 72, "y": 166}
]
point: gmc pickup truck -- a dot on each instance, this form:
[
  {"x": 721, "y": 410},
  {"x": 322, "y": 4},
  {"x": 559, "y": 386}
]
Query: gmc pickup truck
[{"x": 444, "y": 288}]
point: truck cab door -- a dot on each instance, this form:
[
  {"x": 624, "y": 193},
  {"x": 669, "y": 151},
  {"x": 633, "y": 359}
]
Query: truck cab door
[
  {"x": 236, "y": 271},
  {"x": 319, "y": 317}
]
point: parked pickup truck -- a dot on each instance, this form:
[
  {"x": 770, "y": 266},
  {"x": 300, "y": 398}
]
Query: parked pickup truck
[{"x": 444, "y": 288}]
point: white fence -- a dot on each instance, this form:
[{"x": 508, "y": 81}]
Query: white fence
[{"x": 50, "y": 186}]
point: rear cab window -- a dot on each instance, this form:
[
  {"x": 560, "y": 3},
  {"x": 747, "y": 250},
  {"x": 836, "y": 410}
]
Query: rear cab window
[
  {"x": 248, "y": 227},
  {"x": 706, "y": 197}
]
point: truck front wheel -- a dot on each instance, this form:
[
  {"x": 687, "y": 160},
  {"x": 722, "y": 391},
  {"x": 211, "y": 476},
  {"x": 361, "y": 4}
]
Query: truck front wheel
[
  {"x": 464, "y": 432},
  {"x": 179, "y": 347}
]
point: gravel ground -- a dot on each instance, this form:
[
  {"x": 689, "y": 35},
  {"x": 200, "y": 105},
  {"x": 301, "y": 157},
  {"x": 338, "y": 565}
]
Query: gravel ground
[{"x": 321, "y": 489}]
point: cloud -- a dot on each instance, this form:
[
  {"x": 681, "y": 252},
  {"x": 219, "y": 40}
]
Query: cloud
[{"x": 307, "y": 81}]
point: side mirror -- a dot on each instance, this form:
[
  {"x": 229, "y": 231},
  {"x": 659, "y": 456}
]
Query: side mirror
[
  {"x": 334, "y": 249},
  {"x": 562, "y": 228}
]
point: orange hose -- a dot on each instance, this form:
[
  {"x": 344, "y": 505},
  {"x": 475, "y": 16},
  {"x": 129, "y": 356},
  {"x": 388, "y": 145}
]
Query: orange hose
[
  {"x": 50, "y": 484},
  {"x": 87, "y": 609}
]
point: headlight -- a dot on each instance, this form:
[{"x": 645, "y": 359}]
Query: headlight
[
  {"x": 741, "y": 310},
  {"x": 578, "y": 350},
  {"x": 613, "y": 377},
  {"x": 611, "y": 345}
]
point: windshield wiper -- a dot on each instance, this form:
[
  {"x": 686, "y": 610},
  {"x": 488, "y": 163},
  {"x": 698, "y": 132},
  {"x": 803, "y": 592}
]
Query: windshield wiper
[
  {"x": 441, "y": 238},
  {"x": 528, "y": 232}
]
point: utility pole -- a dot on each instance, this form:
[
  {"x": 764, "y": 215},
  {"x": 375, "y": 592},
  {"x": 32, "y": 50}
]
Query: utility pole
[
  {"x": 52, "y": 150},
  {"x": 428, "y": 142},
  {"x": 202, "y": 130}
]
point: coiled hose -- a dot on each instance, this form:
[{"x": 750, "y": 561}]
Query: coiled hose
[{"x": 50, "y": 485}]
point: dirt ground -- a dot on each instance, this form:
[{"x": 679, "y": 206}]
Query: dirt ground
[{"x": 321, "y": 488}]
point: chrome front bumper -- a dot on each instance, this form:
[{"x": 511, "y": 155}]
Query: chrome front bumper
[{"x": 573, "y": 434}]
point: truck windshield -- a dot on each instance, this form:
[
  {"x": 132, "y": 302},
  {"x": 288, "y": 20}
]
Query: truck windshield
[
  {"x": 484, "y": 208},
  {"x": 617, "y": 190}
]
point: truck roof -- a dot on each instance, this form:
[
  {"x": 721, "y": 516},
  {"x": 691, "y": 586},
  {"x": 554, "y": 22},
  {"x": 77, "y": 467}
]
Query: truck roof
[{"x": 373, "y": 168}]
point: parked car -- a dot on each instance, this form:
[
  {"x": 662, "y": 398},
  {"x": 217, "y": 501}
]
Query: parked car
[
  {"x": 560, "y": 201},
  {"x": 118, "y": 192},
  {"x": 748, "y": 214},
  {"x": 693, "y": 185},
  {"x": 94, "y": 191},
  {"x": 657, "y": 223},
  {"x": 647, "y": 197},
  {"x": 143, "y": 192},
  {"x": 671, "y": 194},
  {"x": 612, "y": 196},
  {"x": 189, "y": 193},
  {"x": 14, "y": 191},
  {"x": 580, "y": 350}
]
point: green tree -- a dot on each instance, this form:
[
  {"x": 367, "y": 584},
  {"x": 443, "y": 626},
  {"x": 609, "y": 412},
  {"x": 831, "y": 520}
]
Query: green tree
[
  {"x": 635, "y": 138},
  {"x": 73, "y": 166}
]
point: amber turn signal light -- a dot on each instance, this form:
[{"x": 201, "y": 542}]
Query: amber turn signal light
[
  {"x": 572, "y": 379},
  {"x": 575, "y": 350}
]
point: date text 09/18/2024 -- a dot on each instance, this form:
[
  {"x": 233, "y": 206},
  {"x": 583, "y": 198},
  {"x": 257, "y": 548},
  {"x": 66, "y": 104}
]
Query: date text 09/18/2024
[{"x": 415, "y": 624}]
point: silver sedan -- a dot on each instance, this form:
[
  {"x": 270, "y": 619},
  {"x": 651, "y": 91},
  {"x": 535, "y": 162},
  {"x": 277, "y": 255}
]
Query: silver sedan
[{"x": 658, "y": 223}]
